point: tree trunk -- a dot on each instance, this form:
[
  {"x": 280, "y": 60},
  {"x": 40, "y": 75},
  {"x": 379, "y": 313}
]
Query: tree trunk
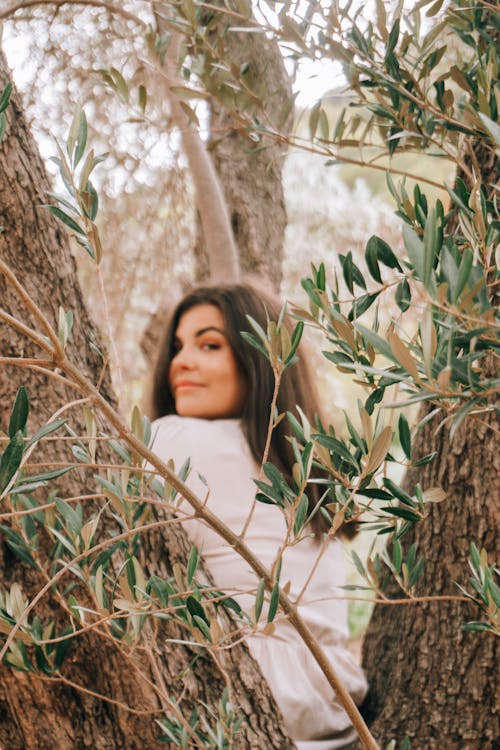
[
  {"x": 35, "y": 712},
  {"x": 429, "y": 679},
  {"x": 251, "y": 177},
  {"x": 250, "y": 172}
]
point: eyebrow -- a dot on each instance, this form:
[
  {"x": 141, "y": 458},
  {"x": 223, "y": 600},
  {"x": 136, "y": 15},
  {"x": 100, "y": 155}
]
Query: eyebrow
[{"x": 205, "y": 330}]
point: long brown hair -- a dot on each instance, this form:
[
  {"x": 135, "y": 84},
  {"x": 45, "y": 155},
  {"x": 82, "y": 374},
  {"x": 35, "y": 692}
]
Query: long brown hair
[{"x": 236, "y": 301}]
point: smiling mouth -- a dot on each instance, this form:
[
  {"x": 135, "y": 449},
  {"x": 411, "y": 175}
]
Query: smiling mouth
[{"x": 186, "y": 385}]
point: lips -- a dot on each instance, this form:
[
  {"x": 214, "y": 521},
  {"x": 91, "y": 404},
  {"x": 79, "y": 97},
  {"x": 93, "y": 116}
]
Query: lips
[{"x": 181, "y": 385}]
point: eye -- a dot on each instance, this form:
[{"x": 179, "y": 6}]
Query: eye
[{"x": 210, "y": 346}]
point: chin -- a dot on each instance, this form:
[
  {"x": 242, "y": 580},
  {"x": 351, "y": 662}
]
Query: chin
[
  {"x": 183, "y": 410},
  {"x": 186, "y": 410}
]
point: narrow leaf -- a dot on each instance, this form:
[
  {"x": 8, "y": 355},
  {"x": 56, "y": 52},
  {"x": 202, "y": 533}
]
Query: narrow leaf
[
  {"x": 404, "y": 436},
  {"x": 259, "y": 599},
  {"x": 71, "y": 223},
  {"x": 11, "y": 459},
  {"x": 274, "y": 601},
  {"x": 19, "y": 415}
]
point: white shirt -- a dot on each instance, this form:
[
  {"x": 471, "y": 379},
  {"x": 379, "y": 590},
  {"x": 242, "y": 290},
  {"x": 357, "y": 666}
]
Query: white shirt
[{"x": 220, "y": 454}]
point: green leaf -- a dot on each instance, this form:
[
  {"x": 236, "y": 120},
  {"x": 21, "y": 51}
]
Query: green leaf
[
  {"x": 23, "y": 553},
  {"x": 158, "y": 587},
  {"x": 405, "y": 513},
  {"x": 356, "y": 437},
  {"x": 337, "y": 448},
  {"x": 5, "y": 96},
  {"x": 81, "y": 140},
  {"x": 378, "y": 343},
  {"x": 415, "y": 249},
  {"x": 425, "y": 459},
  {"x": 374, "y": 398},
  {"x": 371, "y": 258},
  {"x": 119, "y": 84},
  {"x": 295, "y": 340},
  {"x": 92, "y": 199},
  {"x": 274, "y": 601},
  {"x": 403, "y": 295},
  {"x": 357, "y": 562},
  {"x": 203, "y": 627},
  {"x": 3, "y": 125},
  {"x": 11, "y": 459},
  {"x": 195, "y": 608},
  {"x": 62, "y": 648},
  {"x": 361, "y": 305},
  {"x": 386, "y": 255},
  {"x": 491, "y": 126},
  {"x": 495, "y": 592},
  {"x": 64, "y": 541},
  {"x": 404, "y": 436},
  {"x": 464, "y": 270},
  {"x": 416, "y": 572},
  {"x": 300, "y": 514},
  {"x": 393, "y": 38},
  {"x": 460, "y": 200},
  {"x": 46, "y": 430},
  {"x": 259, "y": 599},
  {"x": 401, "y": 495},
  {"x": 72, "y": 516},
  {"x": 73, "y": 131},
  {"x": 63, "y": 202},
  {"x": 478, "y": 626},
  {"x": 192, "y": 564},
  {"x": 265, "y": 497},
  {"x": 461, "y": 415},
  {"x": 39, "y": 480},
  {"x": 71, "y": 223},
  {"x": 339, "y": 358},
  {"x": 20, "y": 411},
  {"x": 314, "y": 119},
  {"x": 253, "y": 341},
  {"x": 142, "y": 96},
  {"x": 430, "y": 247},
  {"x": 19, "y": 547},
  {"x": 375, "y": 493},
  {"x": 397, "y": 556},
  {"x": 229, "y": 603},
  {"x": 352, "y": 274}
]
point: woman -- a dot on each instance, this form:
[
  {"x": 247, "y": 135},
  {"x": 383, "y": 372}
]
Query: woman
[{"x": 212, "y": 393}]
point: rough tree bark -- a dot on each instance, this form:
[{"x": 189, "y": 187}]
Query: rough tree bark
[
  {"x": 251, "y": 175},
  {"x": 36, "y": 714},
  {"x": 429, "y": 679}
]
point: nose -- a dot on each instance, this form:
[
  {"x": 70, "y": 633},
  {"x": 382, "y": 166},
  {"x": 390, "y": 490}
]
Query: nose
[{"x": 183, "y": 360}]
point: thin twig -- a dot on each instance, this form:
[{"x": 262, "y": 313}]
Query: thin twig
[
  {"x": 270, "y": 428},
  {"x": 116, "y": 9},
  {"x": 32, "y": 307}
]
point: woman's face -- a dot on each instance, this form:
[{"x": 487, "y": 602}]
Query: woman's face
[{"x": 203, "y": 375}]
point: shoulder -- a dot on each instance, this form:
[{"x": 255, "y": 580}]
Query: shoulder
[
  {"x": 173, "y": 425},
  {"x": 193, "y": 436}
]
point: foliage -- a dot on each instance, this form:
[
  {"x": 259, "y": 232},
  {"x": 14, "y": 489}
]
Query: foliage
[
  {"x": 407, "y": 99},
  {"x": 4, "y": 103}
]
